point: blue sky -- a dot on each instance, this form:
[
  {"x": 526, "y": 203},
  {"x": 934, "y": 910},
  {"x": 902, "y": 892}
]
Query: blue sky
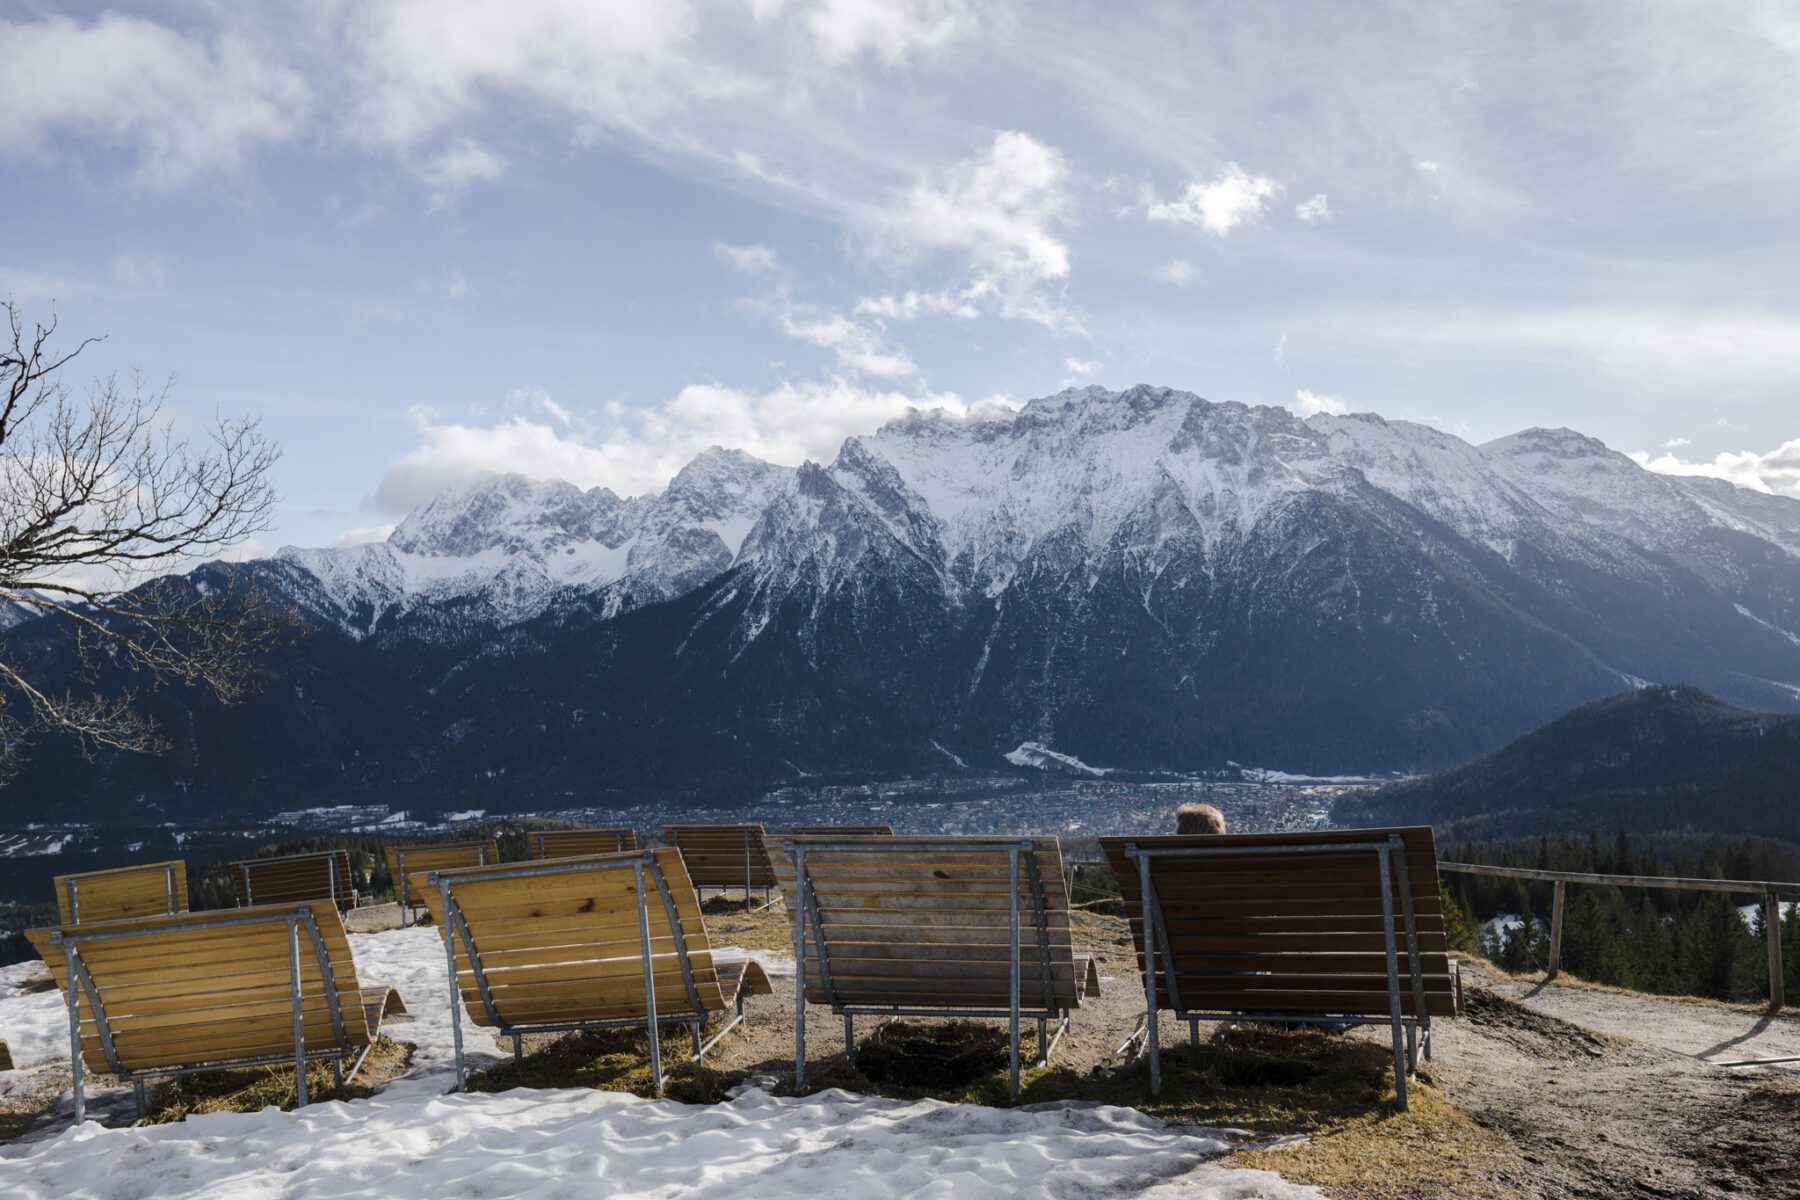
[{"x": 585, "y": 240}]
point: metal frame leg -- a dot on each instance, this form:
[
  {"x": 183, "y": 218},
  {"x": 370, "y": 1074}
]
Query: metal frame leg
[
  {"x": 518, "y": 1041},
  {"x": 299, "y": 1016},
  {"x": 76, "y": 1067},
  {"x": 1012, "y": 875},
  {"x": 456, "y": 1005},
  {"x": 799, "y": 968},
  {"x": 1043, "y": 1042},
  {"x": 1151, "y": 1038},
  {"x": 656, "y": 1075},
  {"x": 1393, "y": 974},
  {"x": 849, "y": 1037}
]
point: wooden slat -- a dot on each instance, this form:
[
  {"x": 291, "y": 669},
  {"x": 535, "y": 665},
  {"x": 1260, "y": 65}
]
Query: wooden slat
[
  {"x": 178, "y": 996},
  {"x": 565, "y": 947},
  {"x": 567, "y": 843},
  {"x": 924, "y": 922},
  {"x": 120, "y": 892},
  {"x": 715, "y": 854},
  {"x": 1290, "y": 933}
]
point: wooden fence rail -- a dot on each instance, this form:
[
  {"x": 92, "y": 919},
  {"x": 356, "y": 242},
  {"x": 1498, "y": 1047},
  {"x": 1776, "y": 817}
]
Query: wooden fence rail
[{"x": 1771, "y": 893}]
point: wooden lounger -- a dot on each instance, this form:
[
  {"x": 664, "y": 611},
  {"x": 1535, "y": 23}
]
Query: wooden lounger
[
  {"x": 176, "y": 995},
  {"x": 933, "y": 926},
  {"x": 294, "y": 879},
  {"x": 584, "y": 943},
  {"x": 725, "y": 856},
  {"x": 409, "y": 865},
  {"x": 842, "y": 830},
  {"x": 579, "y": 843},
  {"x": 1345, "y": 927},
  {"x": 152, "y": 889}
]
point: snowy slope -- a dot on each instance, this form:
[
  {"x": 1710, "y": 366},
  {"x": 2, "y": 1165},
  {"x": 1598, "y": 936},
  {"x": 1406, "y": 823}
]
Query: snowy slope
[{"x": 501, "y": 549}]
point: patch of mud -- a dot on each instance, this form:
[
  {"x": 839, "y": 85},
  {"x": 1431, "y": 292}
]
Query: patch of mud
[{"x": 1539, "y": 1035}]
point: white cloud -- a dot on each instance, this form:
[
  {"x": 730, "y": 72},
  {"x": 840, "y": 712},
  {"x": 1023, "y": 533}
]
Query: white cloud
[
  {"x": 422, "y": 66},
  {"x": 1427, "y": 167},
  {"x": 1002, "y": 209},
  {"x": 911, "y": 305},
  {"x": 449, "y": 283},
  {"x": 1777, "y": 472},
  {"x": 365, "y": 534},
  {"x": 136, "y": 269},
  {"x": 1220, "y": 206},
  {"x": 889, "y": 29},
  {"x": 1080, "y": 366},
  {"x": 640, "y": 449},
  {"x": 1676, "y": 442},
  {"x": 753, "y": 259},
  {"x": 1177, "y": 272},
  {"x": 185, "y": 105},
  {"x": 1311, "y": 404},
  {"x": 1316, "y": 211},
  {"x": 465, "y": 162},
  {"x": 858, "y": 345}
]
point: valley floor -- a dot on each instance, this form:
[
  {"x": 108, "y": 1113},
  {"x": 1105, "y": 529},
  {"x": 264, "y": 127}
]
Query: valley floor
[{"x": 1558, "y": 1092}]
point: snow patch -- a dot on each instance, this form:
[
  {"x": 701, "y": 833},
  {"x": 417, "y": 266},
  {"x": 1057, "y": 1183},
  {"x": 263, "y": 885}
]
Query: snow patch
[
  {"x": 1036, "y": 754},
  {"x": 579, "y": 1142}
]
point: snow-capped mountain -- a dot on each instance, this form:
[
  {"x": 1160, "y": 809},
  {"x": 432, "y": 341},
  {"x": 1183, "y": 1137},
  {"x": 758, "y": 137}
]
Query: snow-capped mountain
[{"x": 1139, "y": 579}]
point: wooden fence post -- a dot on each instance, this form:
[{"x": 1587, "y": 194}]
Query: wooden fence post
[
  {"x": 1556, "y": 916},
  {"x": 1772, "y": 932}
]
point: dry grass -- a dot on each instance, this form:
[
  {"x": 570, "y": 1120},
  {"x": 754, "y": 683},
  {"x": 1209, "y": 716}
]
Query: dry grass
[
  {"x": 1431, "y": 1151},
  {"x": 253, "y": 1089}
]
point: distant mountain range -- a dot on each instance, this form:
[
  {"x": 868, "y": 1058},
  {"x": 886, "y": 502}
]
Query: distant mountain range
[
  {"x": 1138, "y": 579},
  {"x": 1663, "y": 758}
]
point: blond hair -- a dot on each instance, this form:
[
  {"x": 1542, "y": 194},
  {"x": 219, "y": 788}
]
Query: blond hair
[{"x": 1199, "y": 818}]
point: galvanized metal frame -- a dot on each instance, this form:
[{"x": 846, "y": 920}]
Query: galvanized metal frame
[
  {"x": 80, "y": 983},
  {"x": 645, "y": 871},
  {"x": 1390, "y": 856},
  {"x": 806, "y": 912}
]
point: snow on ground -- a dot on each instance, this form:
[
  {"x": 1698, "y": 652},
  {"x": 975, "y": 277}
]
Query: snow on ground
[
  {"x": 35, "y": 1025},
  {"x": 574, "y": 1143},
  {"x": 412, "y": 960},
  {"x": 1753, "y": 912},
  {"x": 411, "y": 1139}
]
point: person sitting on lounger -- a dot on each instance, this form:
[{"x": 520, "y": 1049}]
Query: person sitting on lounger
[{"x": 1199, "y": 818}]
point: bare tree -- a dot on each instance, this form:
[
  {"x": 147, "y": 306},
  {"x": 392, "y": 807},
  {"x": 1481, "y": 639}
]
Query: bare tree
[{"x": 100, "y": 502}]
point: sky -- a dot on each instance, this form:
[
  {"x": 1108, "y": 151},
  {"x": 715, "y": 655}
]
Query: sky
[{"x": 585, "y": 239}]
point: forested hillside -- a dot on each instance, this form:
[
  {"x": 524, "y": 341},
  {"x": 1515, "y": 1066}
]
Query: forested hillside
[{"x": 1654, "y": 759}]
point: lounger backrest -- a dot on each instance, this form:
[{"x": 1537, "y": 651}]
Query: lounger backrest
[
  {"x": 723, "y": 855},
  {"x": 1297, "y": 932},
  {"x": 925, "y": 922},
  {"x": 152, "y": 889},
  {"x": 409, "y": 865},
  {"x": 560, "y": 942},
  {"x": 580, "y": 843},
  {"x": 294, "y": 878},
  {"x": 843, "y": 830},
  {"x": 208, "y": 988}
]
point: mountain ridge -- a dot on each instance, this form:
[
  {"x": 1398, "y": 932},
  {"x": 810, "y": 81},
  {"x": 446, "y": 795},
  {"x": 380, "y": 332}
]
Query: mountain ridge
[{"x": 1140, "y": 578}]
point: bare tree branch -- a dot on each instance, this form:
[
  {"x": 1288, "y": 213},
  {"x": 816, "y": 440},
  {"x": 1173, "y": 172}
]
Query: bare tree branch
[{"x": 100, "y": 504}]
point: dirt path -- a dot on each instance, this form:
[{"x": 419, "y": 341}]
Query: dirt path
[
  {"x": 1714, "y": 1033},
  {"x": 1610, "y": 1098}
]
